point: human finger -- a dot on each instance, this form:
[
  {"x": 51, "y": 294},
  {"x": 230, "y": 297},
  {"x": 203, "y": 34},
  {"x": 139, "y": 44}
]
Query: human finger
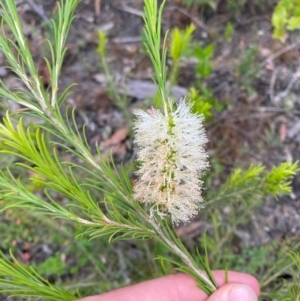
[
  {"x": 238, "y": 278},
  {"x": 176, "y": 287},
  {"x": 234, "y": 292}
]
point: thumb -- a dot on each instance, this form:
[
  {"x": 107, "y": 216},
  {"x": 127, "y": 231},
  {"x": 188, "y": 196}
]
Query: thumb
[{"x": 233, "y": 292}]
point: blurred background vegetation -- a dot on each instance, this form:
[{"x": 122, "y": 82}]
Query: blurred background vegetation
[{"x": 238, "y": 62}]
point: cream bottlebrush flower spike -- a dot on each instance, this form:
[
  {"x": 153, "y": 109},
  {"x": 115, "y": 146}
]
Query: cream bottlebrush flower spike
[{"x": 170, "y": 149}]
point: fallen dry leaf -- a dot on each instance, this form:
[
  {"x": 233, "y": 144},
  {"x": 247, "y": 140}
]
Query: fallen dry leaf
[
  {"x": 119, "y": 149},
  {"x": 282, "y": 132},
  {"x": 190, "y": 230},
  {"x": 118, "y": 137}
]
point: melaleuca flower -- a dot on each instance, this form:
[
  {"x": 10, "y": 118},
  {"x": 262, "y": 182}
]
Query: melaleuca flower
[{"x": 171, "y": 154}]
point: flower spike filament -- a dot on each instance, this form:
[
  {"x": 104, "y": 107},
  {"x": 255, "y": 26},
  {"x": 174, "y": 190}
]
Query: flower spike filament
[{"x": 172, "y": 157}]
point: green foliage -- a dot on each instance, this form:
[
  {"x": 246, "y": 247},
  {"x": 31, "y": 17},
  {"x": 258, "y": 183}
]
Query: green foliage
[
  {"x": 203, "y": 102},
  {"x": 278, "y": 180},
  {"x": 152, "y": 32},
  {"x": 20, "y": 281},
  {"x": 121, "y": 102},
  {"x": 53, "y": 265},
  {"x": 256, "y": 182},
  {"x": 251, "y": 258},
  {"x": 293, "y": 289},
  {"x": 101, "y": 49},
  {"x": 180, "y": 41},
  {"x": 210, "y": 3},
  {"x": 61, "y": 178},
  {"x": 200, "y": 105},
  {"x": 228, "y": 33},
  {"x": 204, "y": 55},
  {"x": 248, "y": 68},
  {"x": 286, "y": 15},
  {"x": 231, "y": 208},
  {"x": 235, "y": 7}
]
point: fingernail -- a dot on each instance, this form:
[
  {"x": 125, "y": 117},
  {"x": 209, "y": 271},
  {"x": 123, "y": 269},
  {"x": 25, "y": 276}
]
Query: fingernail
[{"x": 242, "y": 292}]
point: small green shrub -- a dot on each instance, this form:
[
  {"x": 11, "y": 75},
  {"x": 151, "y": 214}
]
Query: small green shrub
[
  {"x": 210, "y": 3},
  {"x": 204, "y": 55},
  {"x": 286, "y": 16},
  {"x": 247, "y": 69}
]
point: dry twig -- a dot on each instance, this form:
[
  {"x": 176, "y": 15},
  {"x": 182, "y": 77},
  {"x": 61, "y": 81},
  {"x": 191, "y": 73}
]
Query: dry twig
[
  {"x": 97, "y": 4},
  {"x": 279, "y": 53},
  {"x": 38, "y": 9}
]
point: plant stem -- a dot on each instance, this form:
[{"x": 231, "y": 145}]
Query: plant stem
[
  {"x": 173, "y": 76},
  {"x": 120, "y": 102},
  {"x": 183, "y": 256}
]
